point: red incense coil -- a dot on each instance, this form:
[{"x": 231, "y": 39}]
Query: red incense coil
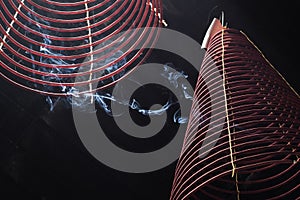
[
  {"x": 45, "y": 45},
  {"x": 256, "y": 155}
]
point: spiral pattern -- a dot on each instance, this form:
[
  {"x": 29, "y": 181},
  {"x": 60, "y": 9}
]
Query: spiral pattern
[
  {"x": 256, "y": 156},
  {"x": 46, "y": 44}
]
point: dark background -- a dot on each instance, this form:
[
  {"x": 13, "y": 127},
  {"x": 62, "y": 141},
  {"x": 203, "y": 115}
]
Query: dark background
[{"x": 41, "y": 156}]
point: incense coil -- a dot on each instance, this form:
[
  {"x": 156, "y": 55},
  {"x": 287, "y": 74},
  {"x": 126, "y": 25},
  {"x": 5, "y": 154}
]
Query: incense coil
[
  {"x": 46, "y": 44},
  {"x": 256, "y": 155}
]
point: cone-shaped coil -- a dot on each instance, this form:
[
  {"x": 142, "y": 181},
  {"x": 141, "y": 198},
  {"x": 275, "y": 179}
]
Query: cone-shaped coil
[{"x": 243, "y": 136}]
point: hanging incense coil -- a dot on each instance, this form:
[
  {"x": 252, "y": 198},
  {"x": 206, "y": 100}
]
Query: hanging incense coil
[
  {"x": 243, "y": 136},
  {"x": 45, "y": 45}
]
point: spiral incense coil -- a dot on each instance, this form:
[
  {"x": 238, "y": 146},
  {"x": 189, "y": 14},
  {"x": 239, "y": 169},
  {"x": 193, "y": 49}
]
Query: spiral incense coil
[
  {"x": 255, "y": 155},
  {"x": 46, "y": 44}
]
